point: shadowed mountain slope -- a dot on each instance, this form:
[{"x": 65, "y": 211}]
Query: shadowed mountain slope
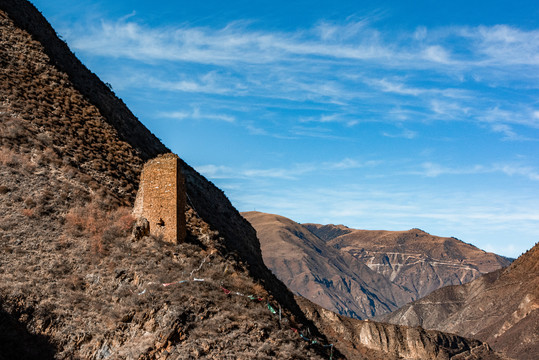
[
  {"x": 88, "y": 85},
  {"x": 327, "y": 276},
  {"x": 413, "y": 259},
  {"x": 501, "y": 308}
]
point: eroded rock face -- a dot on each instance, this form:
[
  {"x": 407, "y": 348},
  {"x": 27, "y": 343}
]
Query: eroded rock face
[
  {"x": 161, "y": 198},
  {"x": 366, "y": 339},
  {"x": 501, "y": 308},
  {"x": 140, "y": 229}
]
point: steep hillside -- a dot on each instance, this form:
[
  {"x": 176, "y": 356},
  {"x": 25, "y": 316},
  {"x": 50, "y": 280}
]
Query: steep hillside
[
  {"x": 413, "y": 259},
  {"x": 56, "y": 98},
  {"x": 73, "y": 282},
  {"x": 88, "y": 85},
  {"x": 328, "y": 232},
  {"x": 326, "y": 276},
  {"x": 501, "y": 308}
]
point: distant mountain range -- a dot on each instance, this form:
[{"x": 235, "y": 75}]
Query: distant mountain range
[{"x": 363, "y": 273}]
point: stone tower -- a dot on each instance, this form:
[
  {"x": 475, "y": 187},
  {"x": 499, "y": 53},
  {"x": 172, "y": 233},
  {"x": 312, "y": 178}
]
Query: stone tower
[{"x": 161, "y": 198}]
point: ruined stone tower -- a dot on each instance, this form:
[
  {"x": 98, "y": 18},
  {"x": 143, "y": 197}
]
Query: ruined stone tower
[{"x": 161, "y": 198}]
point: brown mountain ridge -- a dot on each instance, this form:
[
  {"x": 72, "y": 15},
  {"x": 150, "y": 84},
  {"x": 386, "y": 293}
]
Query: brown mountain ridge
[
  {"x": 413, "y": 259},
  {"x": 72, "y": 283},
  {"x": 331, "y": 278},
  {"x": 364, "y": 273}
]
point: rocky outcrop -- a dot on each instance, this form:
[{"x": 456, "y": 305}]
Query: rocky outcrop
[
  {"x": 368, "y": 339},
  {"x": 501, "y": 308}
]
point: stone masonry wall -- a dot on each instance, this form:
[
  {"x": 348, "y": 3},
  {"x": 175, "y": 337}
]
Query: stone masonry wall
[{"x": 161, "y": 198}]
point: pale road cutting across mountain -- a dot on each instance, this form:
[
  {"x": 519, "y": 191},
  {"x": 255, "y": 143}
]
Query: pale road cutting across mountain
[{"x": 413, "y": 259}]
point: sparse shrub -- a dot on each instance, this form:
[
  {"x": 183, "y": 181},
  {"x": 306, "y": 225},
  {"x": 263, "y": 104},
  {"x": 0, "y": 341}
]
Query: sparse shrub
[
  {"x": 45, "y": 196},
  {"x": 14, "y": 129},
  {"x": 48, "y": 156},
  {"x": 28, "y": 212},
  {"x": 29, "y": 202},
  {"x": 125, "y": 220},
  {"x": 76, "y": 282},
  {"x": 44, "y": 138},
  {"x": 9, "y": 158}
]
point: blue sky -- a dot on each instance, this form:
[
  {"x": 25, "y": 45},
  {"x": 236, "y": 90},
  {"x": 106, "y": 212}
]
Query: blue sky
[{"x": 377, "y": 115}]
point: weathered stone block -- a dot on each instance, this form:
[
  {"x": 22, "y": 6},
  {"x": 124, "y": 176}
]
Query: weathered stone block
[{"x": 161, "y": 198}]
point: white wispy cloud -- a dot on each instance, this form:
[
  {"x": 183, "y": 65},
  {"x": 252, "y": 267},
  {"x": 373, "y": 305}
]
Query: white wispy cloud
[
  {"x": 398, "y": 86},
  {"x": 327, "y": 65},
  {"x": 503, "y": 44},
  {"x": 210, "y": 82},
  {"x": 449, "y": 109},
  {"x": 348, "y": 120},
  {"x": 197, "y": 114},
  {"x": 237, "y": 43},
  {"x": 405, "y": 134},
  {"x": 315, "y": 132},
  {"x": 430, "y": 169},
  {"x": 224, "y": 172},
  {"x": 348, "y": 163},
  {"x": 512, "y": 169},
  {"x": 518, "y": 116},
  {"x": 234, "y": 43},
  {"x": 507, "y": 131},
  {"x": 294, "y": 172},
  {"x": 436, "y": 54}
]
